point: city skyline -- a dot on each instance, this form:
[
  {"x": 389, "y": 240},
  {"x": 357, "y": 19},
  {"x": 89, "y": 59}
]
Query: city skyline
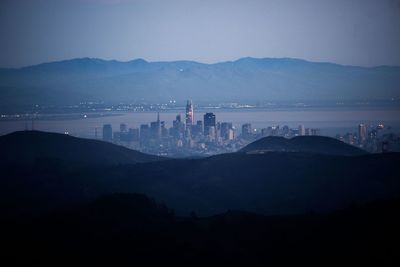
[{"x": 211, "y": 136}]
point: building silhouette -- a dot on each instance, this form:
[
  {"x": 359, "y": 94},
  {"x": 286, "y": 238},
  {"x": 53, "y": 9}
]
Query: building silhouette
[
  {"x": 189, "y": 113},
  {"x": 225, "y": 130},
  {"x": 155, "y": 128},
  {"x": 246, "y": 131},
  {"x": 209, "y": 121},
  {"x": 107, "y": 132},
  {"x": 362, "y": 133},
  {"x": 302, "y": 130}
]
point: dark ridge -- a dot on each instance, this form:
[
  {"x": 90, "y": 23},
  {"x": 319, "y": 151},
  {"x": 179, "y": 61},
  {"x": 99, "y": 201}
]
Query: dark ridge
[
  {"x": 131, "y": 229},
  {"x": 28, "y": 146},
  {"x": 309, "y": 144},
  {"x": 271, "y": 183}
]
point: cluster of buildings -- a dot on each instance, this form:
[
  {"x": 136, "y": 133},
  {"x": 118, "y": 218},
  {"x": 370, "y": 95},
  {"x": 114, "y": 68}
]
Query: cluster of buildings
[
  {"x": 188, "y": 137},
  {"x": 372, "y": 138}
]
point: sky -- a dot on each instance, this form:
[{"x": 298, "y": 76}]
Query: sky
[{"x": 350, "y": 32}]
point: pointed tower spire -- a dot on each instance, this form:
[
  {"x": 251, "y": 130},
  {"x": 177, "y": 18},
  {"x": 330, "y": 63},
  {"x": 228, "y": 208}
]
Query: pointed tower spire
[{"x": 189, "y": 113}]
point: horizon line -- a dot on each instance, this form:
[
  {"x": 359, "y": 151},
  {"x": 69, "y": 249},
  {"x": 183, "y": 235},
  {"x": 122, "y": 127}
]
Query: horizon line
[{"x": 193, "y": 61}]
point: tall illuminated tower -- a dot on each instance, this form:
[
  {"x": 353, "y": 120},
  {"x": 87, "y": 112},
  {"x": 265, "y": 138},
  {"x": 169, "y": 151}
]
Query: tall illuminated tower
[{"x": 189, "y": 113}]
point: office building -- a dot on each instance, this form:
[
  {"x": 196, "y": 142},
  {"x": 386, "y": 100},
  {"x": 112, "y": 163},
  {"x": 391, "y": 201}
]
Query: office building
[
  {"x": 209, "y": 121},
  {"x": 246, "y": 131},
  {"x": 123, "y": 128},
  {"x": 302, "y": 130},
  {"x": 225, "y": 127},
  {"x": 362, "y": 133},
  {"x": 107, "y": 132}
]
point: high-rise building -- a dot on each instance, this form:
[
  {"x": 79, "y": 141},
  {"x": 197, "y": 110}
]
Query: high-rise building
[
  {"x": 362, "y": 133},
  {"x": 164, "y": 130},
  {"x": 107, "y": 132},
  {"x": 349, "y": 138},
  {"x": 231, "y": 134},
  {"x": 315, "y": 131},
  {"x": 302, "y": 130},
  {"x": 133, "y": 134},
  {"x": 209, "y": 121},
  {"x": 265, "y": 131},
  {"x": 155, "y": 128},
  {"x": 197, "y": 129},
  {"x": 123, "y": 128},
  {"x": 189, "y": 113},
  {"x": 212, "y": 133},
  {"x": 144, "y": 132},
  {"x": 225, "y": 127},
  {"x": 285, "y": 131},
  {"x": 178, "y": 127},
  {"x": 178, "y": 118},
  {"x": 246, "y": 131}
]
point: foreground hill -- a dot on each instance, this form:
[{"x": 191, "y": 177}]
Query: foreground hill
[
  {"x": 131, "y": 229},
  {"x": 271, "y": 183},
  {"x": 246, "y": 79},
  {"x": 28, "y": 146},
  {"x": 308, "y": 144}
]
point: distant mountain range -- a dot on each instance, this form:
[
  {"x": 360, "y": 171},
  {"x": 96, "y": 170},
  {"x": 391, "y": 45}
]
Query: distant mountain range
[
  {"x": 64, "y": 171},
  {"x": 246, "y": 79}
]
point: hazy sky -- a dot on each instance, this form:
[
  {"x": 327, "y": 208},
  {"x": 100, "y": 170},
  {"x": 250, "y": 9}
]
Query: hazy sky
[{"x": 356, "y": 32}]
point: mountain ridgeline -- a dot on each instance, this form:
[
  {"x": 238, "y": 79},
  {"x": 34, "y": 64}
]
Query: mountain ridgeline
[{"x": 246, "y": 79}]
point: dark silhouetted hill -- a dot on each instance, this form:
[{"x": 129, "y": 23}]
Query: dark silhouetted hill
[
  {"x": 28, "y": 146},
  {"x": 270, "y": 183},
  {"x": 306, "y": 144},
  {"x": 131, "y": 229},
  {"x": 295, "y": 208}
]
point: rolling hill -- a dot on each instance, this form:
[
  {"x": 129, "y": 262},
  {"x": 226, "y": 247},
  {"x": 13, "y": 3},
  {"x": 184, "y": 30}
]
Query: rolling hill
[
  {"x": 308, "y": 144},
  {"x": 29, "y": 146},
  {"x": 271, "y": 183}
]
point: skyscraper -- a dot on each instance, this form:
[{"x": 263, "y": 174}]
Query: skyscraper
[
  {"x": 209, "y": 121},
  {"x": 107, "y": 132},
  {"x": 123, "y": 128},
  {"x": 246, "y": 131},
  {"x": 178, "y": 127},
  {"x": 362, "y": 133},
  {"x": 225, "y": 127},
  {"x": 144, "y": 133},
  {"x": 155, "y": 128},
  {"x": 189, "y": 113},
  {"x": 197, "y": 130},
  {"x": 302, "y": 130}
]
